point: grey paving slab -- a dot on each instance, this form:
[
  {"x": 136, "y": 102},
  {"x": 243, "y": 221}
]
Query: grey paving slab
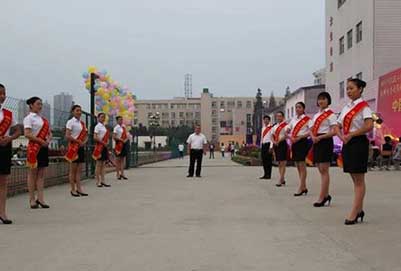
[{"x": 228, "y": 220}]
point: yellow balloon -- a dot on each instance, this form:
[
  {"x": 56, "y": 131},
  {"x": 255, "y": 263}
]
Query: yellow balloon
[{"x": 92, "y": 69}]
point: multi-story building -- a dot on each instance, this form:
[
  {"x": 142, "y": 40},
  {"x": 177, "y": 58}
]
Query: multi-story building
[
  {"x": 222, "y": 118},
  {"x": 46, "y": 110},
  {"x": 363, "y": 40},
  {"x": 23, "y": 110},
  {"x": 307, "y": 95},
  {"x": 61, "y": 109}
]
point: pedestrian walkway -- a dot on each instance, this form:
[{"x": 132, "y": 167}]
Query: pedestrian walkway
[{"x": 227, "y": 220}]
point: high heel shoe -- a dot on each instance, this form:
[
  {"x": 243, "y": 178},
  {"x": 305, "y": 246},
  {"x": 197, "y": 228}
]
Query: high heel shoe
[
  {"x": 74, "y": 195},
  {"x": 323, "y": 203},
  {"x": 280, "y": 184},
  {"x": 123, "y": 177},
  {"x": 361, "y": 215},
  {"x": 43, "y": 205},
  {"x": 105, "y": 185},
  {"x": 82, "y": 194},
  {"x": 305, "y": 191},
  {"x": 34, "y": 206},
  {"x": 6, "y": 221}
]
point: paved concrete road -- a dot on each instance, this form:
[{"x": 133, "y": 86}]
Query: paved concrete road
[{"x": 228, "y": 220}]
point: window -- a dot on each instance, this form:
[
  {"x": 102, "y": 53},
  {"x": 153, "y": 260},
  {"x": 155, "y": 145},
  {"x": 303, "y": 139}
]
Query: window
[
  {"x": 248, "y": 118},
  {"x": 231, "y": 104},
  {"x": 222, "y": 104},
  {"x": 340, "y": 3},
  {"x": 331, "y": 21},
  {"x": 331, "y": 66},
  {"x": 239, "y": 104},
  {"x": 331, "y": 36},
  {"x": 359, "y": 32},
  {"x": 181, "y": 114},
  {"x": 172, "y": 106},
  {"x": 359, "y": 76},
  {"x": 173, "y": 115},
  {"x": 197, "y": 115},
  {"x": 288, "y": 113},
  {"x": 349, "y": 39},
  {"x": 173, "y": 123},
  {"x": 147, "y": 106},
  {"x": 214, "y": 121},
  {"x": 214, "y": 105},
  {"x": 223, "y": 124},
  {"x": 248, "y": 104},
  {"x": 292, "y": 112},
  {"x": 342, "y": 45},
  {"x": 331, "y": 51},
  {"x": 342, "y": 89}
]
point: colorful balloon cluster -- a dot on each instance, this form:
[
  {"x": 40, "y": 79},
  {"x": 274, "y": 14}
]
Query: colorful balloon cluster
[{"x": 111, "y": 98}]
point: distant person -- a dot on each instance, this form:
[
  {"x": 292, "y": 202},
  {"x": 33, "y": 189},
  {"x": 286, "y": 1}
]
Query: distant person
[
  {"x": 211, "y": 151},
  {"x": 387, "y": 152},
  {"x": 280, "y": 146},
  {"x": 223, "y": 150},
  {"x": 181, "y": 148},
  {"x": 120, "y": 136},
  {"x": 266, "y": 148},
  {"x": 37, "y": 130},
  {"x": 196, "y": 149},
  {"x": 8, "y": 132},
  {"x": 232, "y": 149}
]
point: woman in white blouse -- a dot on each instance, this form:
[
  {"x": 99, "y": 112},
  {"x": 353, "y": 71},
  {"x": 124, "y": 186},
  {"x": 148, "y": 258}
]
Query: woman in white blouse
[
  {"x": 355, "y": 122},
  {"x": 324, "y": 127},
  {"x": 120, "y": 136},
  {"x": 37, "y": 130},
  {"x": 101, "y": 136},
  {"x": 77, "y": 136}
]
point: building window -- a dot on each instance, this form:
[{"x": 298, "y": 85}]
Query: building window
[
  {"x": 239, "y": 104},
  {"x": 331, "y": 36},
  {"x": 342, "y": 45},
  {"x": 331, "y": 51},
  {"x": 359, "y": 32},
  {"x": 197, "y": 115},
  {"x": 331, "y": 21},
  {"x": 147, "y": 106},
  {"x": 288, "y": 113},
  {"x": 214, "y": 105},
  {"x": 349, "y": 39},
  {"x": 359, "y": 76},
  {"x": 173, "y": 115},
  {"x": 248, "y": 104},
  {"x": 181, "y": 114},
  {"x": 340, "y": 3},
  {"x": 342, "y": 89},
  {"x": 222, "y": 104},
  {"x": 172, "y": 106},
  {"x": 331, "y": 67}
]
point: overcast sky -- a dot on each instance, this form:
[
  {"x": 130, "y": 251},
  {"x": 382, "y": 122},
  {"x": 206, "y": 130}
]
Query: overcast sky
[{"x": 232, "y": 47}]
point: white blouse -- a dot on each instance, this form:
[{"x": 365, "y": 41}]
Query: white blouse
[
  {"x": 118, "y": 130},
  {"x": 100, "y": 130},
  {"x": 13, "y": 122},
  {"x": 359, "y": 119},
  {"x": 75, "y": 126},
  {"x": 34, "y": 122},
  {"x": 268, "y": 137},
  {"x": 282, "y": 132},
  {"x": 304, "y": 130},
  {"x": 326, "y": 125}
]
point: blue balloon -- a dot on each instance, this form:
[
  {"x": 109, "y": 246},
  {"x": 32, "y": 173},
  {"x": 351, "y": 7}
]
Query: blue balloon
[{"x": 85, "y": 75}]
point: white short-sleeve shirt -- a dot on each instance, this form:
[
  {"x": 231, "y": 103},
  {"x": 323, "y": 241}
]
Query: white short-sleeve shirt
[
  {"x": 13, "y": 122},
  {"x": 268, "y": 137},
  {"x": 326, "y": 125},
  {"x": 282, "y": 132},
  {"x": 359, "y": 119},
  {"x": 100, "y": 130},
  {"x": 75, "y": 126},
  {"x": 197, "y": 141},
  {"x": 34, "y": 122},
  {"x": 304, "y": 130},
  {"x": 118, "y": 130},
  {"x": 181, "y": 147}
]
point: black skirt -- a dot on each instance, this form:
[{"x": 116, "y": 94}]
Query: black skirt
[
  {"x": 43, "y": 157},
  {"x": 281, "y": 151},
  {"x": 123, "y": 151},
  {"x": 300, "y": 150},
  {"x": 105, "y": 155},
  {"x": 323, "y": 151},
  {"x": 356, "y": 154},
  {"x": 5, "y": 159},
  {"x": 81, "y": 156}
]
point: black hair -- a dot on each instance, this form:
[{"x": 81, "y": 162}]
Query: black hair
[
  {"x": 100, "y": 114},
  {"x": 75, "y": 106},
  {"x": 387, "y": 139},
  {"x": 399, "y": 139},
  {"x": 324, "y": 95},
  {"x": 118, "y": 118},
  {"x": 359, "y": 83},
  {"x": 373, "y": 143},
  {"x": 266, "y": 117},
  {"x": 280, "y": 112},
  {"x": 32, "y": 100},
  {"x": 301, "y": 104},
  {"x": 2, "y": 86}
]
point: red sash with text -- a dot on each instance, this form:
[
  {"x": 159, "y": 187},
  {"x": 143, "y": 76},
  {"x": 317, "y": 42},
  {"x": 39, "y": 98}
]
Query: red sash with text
[
  {"x": 34, "y": 147},
  {"x": 349, "y": 117},
  {"x": 299, "y": 126},
  {"x": 120, "y": 143},
  {"x": 276, "y": 135},
  {"x": 6, "y": 122},
  {"x": 97, "y": 152},
  {"x": 265, "y": 131},
  {"x": 315, "y": 130},
  {"x": 73, "y": 147}
]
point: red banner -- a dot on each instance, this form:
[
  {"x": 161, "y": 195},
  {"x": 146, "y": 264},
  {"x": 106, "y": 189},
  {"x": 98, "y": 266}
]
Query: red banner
[{"x": 389, "y": 100}]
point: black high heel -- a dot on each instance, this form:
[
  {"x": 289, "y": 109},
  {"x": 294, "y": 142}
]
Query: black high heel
[
  {"x": 82, "y": 194},
  {"x": 361, "y": 215},
  {"x": 43, "y": 205},
  {"x": 301, "y": 193},
  {"x": 280, "y": 184},
  {"x": 323, "y": 203},
  {"x": 6, "y": 221},
  {"x": 34, "y": 206},
  {"x": 105, "y": 185},
  {"x": 74, "y": 195},
  {"x": 123, "y": 177}
]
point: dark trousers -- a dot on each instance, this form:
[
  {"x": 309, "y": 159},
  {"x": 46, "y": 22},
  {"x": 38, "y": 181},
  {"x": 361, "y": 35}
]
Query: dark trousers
[
  {"x": 195, "y": 155},
  {"x": 211, "y": 154},
  {"x": 267, "y": 160},
  {"x": 181, "y": 154}
]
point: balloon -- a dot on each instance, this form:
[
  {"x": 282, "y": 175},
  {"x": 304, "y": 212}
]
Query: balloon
[
  {"x": 92, "y": 69},
  {"x": 85, "y": 75}
]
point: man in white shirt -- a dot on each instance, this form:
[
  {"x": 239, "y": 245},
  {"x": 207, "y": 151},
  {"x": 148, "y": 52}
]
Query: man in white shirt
[
  {"x": 267, "y": 148},
  {"x": 196, "y": 149},
  {"x": 181, "y": 150}
]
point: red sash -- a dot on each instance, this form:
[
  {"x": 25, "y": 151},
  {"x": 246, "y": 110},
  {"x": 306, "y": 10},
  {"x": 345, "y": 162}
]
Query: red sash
[
  {"x": 97, "y": 152},
  {"x": 120, "y": 144},
  {"x": 315, "y": 130},
  {"x": 265, "y": 131},
  {"x": 299, "y": 126},
  {"x": 276, "y": 135},
  {"x": 34, "y": 147},
  {"x": 6, "y": 122},
  {"x": 73, "y": 147},
  {"x": 350, "y": 116}
]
